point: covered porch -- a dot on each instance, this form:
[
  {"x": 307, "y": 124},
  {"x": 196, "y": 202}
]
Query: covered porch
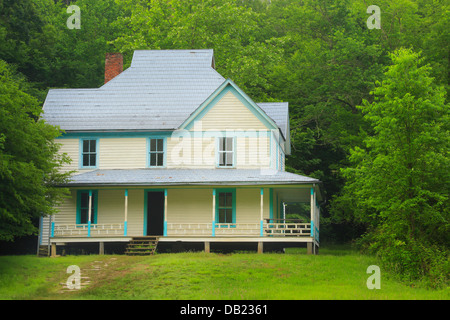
[{"x": 202, "y": 213}]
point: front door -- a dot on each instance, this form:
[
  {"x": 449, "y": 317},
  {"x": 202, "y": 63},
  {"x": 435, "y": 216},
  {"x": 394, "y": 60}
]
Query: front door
[{"x": 155, "y": 213}]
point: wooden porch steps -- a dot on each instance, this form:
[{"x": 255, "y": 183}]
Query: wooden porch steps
[
  {"x": 43, "y": 251},
  {"x": 142, "y": 246}
]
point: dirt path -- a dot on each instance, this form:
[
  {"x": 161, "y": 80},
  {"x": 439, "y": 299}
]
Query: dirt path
[{"x": 95, "y": 274}]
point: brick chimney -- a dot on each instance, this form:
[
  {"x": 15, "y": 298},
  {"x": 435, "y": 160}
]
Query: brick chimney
[{"x": 113, "y": 65}]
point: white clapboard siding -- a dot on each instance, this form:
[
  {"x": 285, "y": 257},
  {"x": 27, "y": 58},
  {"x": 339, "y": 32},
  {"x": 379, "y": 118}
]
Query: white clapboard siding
[
  {"x": 248, "y": 205},
  {"x": 67, "y": 210},
  {"x": 252, "y": 152},
  {"x": 191, "y": 152},
  {"x": 69, "y": 147},
  {"x": 122, "y": 153},
  {"x": 273, "y": 153},
  {"x": 45, "y": 230},
  {"x": 194, "y": 153},
  {"x": 189, "y": 205},
  {"x": 111, "y": 206},
  {"x": 111, "y": 209},
  {"x": 135, "y": 212},
  {"x": 230, "y": 113}
]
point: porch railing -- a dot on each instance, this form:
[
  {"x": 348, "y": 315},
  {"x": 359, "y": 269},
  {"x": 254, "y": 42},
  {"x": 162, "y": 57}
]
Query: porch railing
[
  {"x": 274, "y": 229},
  {"x": 287, "y": 227},
  {"x": 269, "y": 228},
  {"x": 189, "y": 229},
  {"x": 83, "y": 230}
]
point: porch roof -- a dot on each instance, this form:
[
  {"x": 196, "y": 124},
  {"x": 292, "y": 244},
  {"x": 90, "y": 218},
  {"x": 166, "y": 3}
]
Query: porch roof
[{"x": 154, "y": 177}]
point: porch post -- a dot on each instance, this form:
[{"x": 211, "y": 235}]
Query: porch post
[
  {"x": 89, "y": 213},
  {"x": 165, "y": 212},
  {"x": 260, "y": 247},
  {"x": 53, "y": 250},
  {"x": 52, "y": 234},
  {"x": 312, "y": 212},
  {"x": 262, "y": 212},
  {"x": 316, "y": 218},
  {"x": 313, "y": 218},
  {"x": 125, "y": 223},
  {"x": 214, "y": 213}
]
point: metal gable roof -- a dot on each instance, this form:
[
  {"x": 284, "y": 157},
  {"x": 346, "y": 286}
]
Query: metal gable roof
[
  {"x": 278, "y": 111},
  {"x": 145, "y": 58},
  {"x": 158, "y": 91},
  {"x": 147, "y": 177}
]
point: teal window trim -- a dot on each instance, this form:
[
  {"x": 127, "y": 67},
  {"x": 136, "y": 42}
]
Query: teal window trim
[
  {"x": 218, "y": 152},
  {"x": 218, "y": 192},
  {"x": 125, "y": 223},
  {"x": 114, "y": 135},
  {"x": 94, "y": 208},
  {"x": 164, "y": 151},
  {"x": 214, "y": 219},
  {"x": 81, "y": 153},
  {"x": 278, "y": 208},
  {"x": 271, "y": 204}
]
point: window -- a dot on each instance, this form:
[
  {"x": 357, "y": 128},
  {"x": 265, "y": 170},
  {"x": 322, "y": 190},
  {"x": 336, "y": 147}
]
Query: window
[
  {"x": 156, "y": 147},
  {"x": 226, "y": 152},
  {"x": 89, "y": 153},
  {"x": 226, "y": 205},
  {"x": 83, "y": 207}
]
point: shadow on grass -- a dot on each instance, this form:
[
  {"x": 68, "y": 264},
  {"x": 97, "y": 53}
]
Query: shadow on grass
[{"x": 328, "y": 249}]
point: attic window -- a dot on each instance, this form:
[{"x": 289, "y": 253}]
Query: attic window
[{"x": 226, "y": 152}]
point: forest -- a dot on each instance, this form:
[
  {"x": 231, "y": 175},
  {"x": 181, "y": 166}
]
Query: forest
[{"x": 369, "y": 110}]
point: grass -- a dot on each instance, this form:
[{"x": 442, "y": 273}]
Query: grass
[{"x": 334, "y": 274}]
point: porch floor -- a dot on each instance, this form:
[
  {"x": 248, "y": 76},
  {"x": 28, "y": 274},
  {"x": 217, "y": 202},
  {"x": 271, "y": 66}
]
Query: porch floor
[
  {"x": 75, "y": 239},
  {"x": 206, "y": 241}
]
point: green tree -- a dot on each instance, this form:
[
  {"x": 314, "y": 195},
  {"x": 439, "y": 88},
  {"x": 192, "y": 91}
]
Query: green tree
[
  {"x": 400, "y": 179},
  {"x": 223, "y": 25},
  {"x": 29, "y": 161},
  {"x": 81, "y": 52}
]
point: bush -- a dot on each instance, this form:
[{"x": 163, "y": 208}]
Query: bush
[{"x": 417, "y": 262}]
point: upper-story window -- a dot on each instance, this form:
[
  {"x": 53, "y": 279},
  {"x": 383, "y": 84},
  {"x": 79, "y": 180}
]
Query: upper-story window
[
  {"x": 89, "y": 153},
  {"x": 226, "y": 152},
  {"x": 156, "y": 152}
]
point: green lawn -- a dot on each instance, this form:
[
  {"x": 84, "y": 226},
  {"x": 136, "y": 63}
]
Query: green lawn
[{"x": 334, "y": 274}]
